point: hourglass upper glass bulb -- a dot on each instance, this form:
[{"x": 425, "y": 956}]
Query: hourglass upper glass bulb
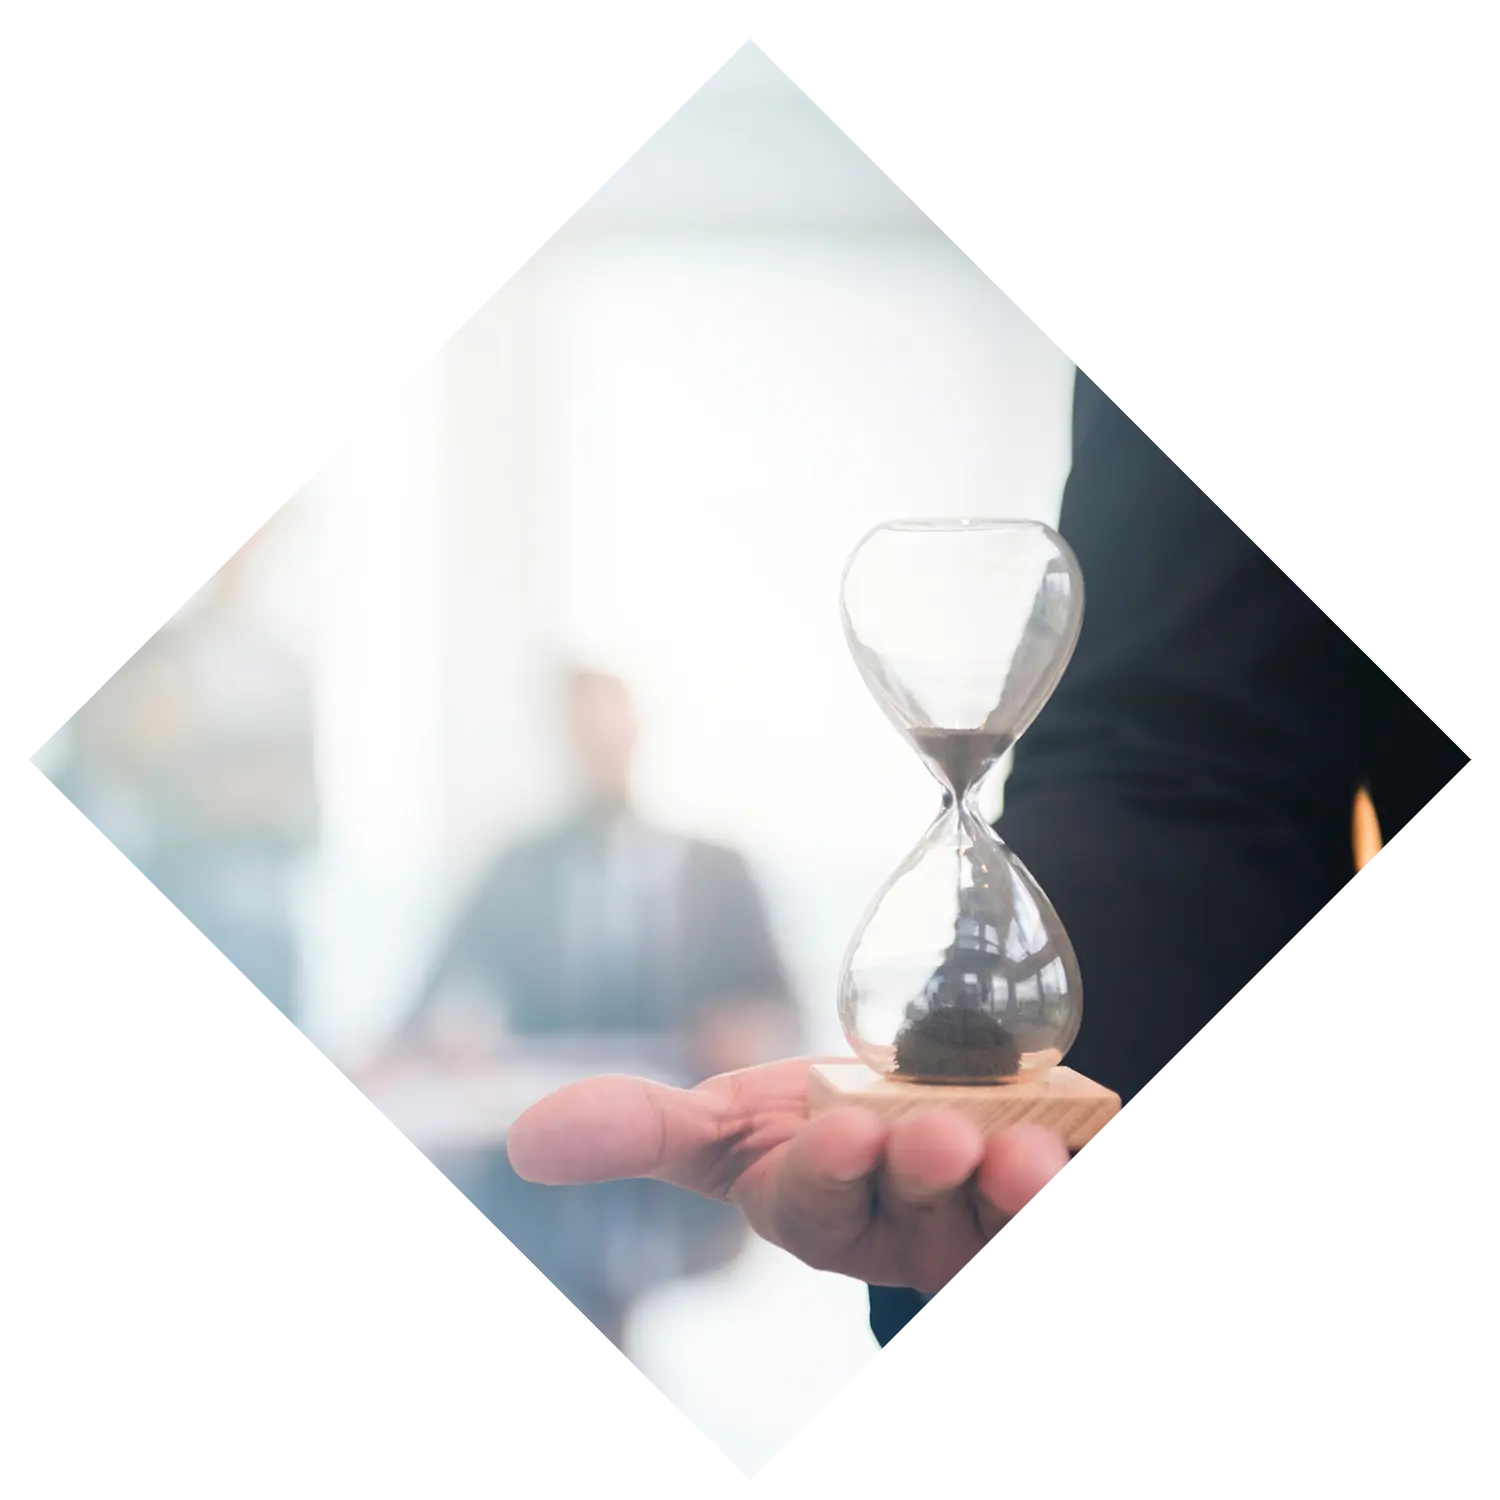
[{"x": 961, "y": 971}]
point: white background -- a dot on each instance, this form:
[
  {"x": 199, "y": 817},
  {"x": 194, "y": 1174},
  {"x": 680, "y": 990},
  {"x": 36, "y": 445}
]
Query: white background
[{"x": 1265, "y": 234}]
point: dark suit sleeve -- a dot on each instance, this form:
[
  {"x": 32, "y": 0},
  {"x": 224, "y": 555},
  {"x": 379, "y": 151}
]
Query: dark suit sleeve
[{"x": 1185, "y": 798}]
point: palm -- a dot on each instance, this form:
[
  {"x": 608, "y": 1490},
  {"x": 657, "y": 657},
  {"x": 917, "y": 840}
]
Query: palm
[{"x": 901, "y": 1205}]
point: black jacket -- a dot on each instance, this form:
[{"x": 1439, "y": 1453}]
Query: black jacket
[{"x": 1185, "y": 798}]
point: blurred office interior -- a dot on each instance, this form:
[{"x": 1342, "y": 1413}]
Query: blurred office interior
[{"x": 649, "y": 455}]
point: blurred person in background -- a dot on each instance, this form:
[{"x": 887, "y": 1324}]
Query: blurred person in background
[
  {"x": 196, "y": 760},
  {"x": 608, "y": 937}
]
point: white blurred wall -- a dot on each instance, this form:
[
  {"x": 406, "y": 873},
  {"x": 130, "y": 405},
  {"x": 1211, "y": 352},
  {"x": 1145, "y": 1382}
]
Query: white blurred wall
[
  {"x": 653, "y": 450},
  {"x": 741, "y": 409}
]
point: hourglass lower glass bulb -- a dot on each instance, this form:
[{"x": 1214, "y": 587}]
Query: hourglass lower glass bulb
[
  {"x": 960, "y": 980},
  {"x": 961, "y": 971}
]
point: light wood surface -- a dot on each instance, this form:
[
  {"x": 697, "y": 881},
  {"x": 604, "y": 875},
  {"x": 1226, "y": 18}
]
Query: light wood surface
[{"x": 1074, "y": 1106}]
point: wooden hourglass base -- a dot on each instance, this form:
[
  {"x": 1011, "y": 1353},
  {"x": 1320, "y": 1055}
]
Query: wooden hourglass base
[{"x": 1074, "y": 1106}]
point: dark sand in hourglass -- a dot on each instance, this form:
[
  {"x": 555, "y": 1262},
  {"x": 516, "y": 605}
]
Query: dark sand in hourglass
[
  {"x": 955, "y": 1043},
  {"x": 954, "y": 1039},
  {"x": 962, "y": 755}
]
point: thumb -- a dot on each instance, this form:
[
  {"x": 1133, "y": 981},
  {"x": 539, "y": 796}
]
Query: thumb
[{"x": 602, "y": 1129}]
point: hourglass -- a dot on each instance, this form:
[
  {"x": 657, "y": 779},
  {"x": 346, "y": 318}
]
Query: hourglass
[{"x": 960, "y": 986}]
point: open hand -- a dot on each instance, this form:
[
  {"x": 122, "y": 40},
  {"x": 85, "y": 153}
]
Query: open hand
[{"x": 900, "y": 1204}]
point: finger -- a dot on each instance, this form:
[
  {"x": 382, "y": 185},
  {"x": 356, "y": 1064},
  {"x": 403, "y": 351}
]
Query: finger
[
  {"x": 601, "y": 1129},
  {"x": 931, "y": 1155},
  {"x": 819, "y": 1196},
  {"x": 926, "y": 1206},
  {"x": 1018, "y": 1163}
]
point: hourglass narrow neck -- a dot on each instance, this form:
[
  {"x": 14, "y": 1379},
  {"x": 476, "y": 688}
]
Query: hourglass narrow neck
[
  {"x": 962, "y": 827},
  {"x": 963, "y": 830},
  {"x": 961, "y": 758}
]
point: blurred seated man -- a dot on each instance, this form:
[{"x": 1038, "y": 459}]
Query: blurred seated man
[{"x": 621, "y": 939}]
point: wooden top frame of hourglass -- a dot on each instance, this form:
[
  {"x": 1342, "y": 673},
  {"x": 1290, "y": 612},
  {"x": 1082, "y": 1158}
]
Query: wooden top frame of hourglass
[{"x": 1064, "y": 1101}]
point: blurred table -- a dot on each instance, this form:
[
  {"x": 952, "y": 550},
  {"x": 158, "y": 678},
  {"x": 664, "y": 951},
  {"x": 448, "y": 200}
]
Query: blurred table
[{"x": 469, "y": 1107}]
